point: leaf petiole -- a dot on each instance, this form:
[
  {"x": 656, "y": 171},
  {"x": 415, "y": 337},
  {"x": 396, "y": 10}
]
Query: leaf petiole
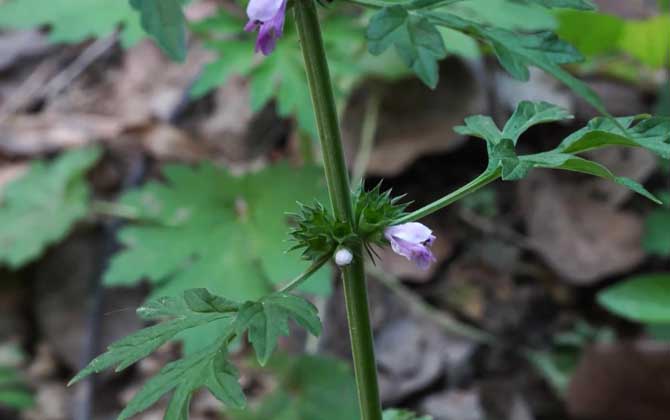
[
  {"x": 481, "y": 181},
  {"x": 297, "y": 281}
]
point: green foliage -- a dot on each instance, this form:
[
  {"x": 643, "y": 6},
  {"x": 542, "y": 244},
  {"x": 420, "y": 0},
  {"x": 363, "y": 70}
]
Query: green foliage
[
  {"x": 374, "y": 210},
  {"x": 207, "y": 228},
  {"x": 209, "y": 367},
  {"x": 281, "y": 76},
  {"x": 645, "y": 298},
  {"x": 165, "y": 21},
  {"x": 412, "y": 32},
  {"x": 317, "y": 233},
  {"x": 268, "y": 318},
  {"x": 205, "y": 221},
  {"x": 403, "y": 415},
  {"x": 567, "y": 4},
  {"x": 73, "y": 20},
  {"x": 559, "y": 362},
  {"x": 656, "y": 238},
  {"x": 650, "y": 133},
  {"x": 14, "y": 391},
  {"x": 599, "y": 34},
  {"x": 416, "y": 39},
  {"x": 46, "y": 202},
  {"x": 310, "y": 387}
]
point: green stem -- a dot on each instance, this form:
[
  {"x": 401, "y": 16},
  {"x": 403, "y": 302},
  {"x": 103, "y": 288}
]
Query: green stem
[
  {"x": 355, "y": 288},
  {"x": 290, "y": 286},
  {"x": 481, "y": 181}
]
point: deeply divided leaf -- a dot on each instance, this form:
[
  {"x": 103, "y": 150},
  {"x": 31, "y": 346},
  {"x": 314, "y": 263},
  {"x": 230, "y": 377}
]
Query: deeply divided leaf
[
  {"x": 267, "y": 320},
  {"x": 649, "y": 133},
  {"x": 139, "y": 345},
  {"x": 206, "y": 228},
  {"x": 264, "y": 321},
  {"x": 415, "y": 38},
  {"x": 415, "y": 35}
]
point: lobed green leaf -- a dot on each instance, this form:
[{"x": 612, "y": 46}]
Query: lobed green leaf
[
  {"x": 46, "y": 201},
  {"x": 267, "y": 320},
  {"x": 416, "y": 39},
  {"x": 649, "y": 133}
]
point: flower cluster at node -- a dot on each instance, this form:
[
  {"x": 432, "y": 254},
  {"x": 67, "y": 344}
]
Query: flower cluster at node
[{"x": 317, "y": 233}]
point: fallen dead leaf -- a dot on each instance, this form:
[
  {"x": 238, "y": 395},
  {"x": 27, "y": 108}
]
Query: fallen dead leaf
[
  {"x": 30, "y": 135},
  {"x": 582, "y": 239},
  {"x": 165, "y": 142},
  {"x": 638, "y": 164},
  {"x": 622, "y": 381},
  {"x": 17, "y": 45},
  {"x": 413, "y": 121}
]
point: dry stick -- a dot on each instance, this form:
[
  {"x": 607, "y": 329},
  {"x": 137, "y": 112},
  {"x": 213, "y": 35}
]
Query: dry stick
[
  {"x": 417, "y": 304},
  {"x": 368, "y": 133},
  {"x": 34, "y": 88},
  {"x": 90, "y": 55}
]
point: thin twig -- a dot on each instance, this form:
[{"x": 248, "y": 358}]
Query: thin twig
[
  {"x": 35, "y": 86},
  {"x": 368, "y": 133},
  {"x": 90, "y": 55},
  {"x": 417, "y": 304},
  {"x": 488, "y": 227}
]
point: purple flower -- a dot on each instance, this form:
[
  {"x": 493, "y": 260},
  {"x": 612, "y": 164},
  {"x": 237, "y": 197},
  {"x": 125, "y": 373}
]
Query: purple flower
[
  {"x": 266, "y": 16},
  {"x": 412, "y": 241}
]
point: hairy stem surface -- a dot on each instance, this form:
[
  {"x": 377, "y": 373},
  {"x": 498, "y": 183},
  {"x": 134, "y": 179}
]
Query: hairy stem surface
[{"x": 353, "y": 275}]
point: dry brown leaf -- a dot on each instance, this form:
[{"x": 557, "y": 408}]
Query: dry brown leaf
[
  {"x": 582, "y": 239},
  {"x": 21, "y": 44},
  {"x": 29, "y": 135},
  {"x": 637, "y": 164},
  {"x": 622, "y": 381},
  {"x": 165, "y": 142},
  {"x": 414, "y": 121},
  {"x": 149, "y": 85}
]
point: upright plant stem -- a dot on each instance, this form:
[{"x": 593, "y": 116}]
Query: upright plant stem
[{"x": 337, "y": 178}]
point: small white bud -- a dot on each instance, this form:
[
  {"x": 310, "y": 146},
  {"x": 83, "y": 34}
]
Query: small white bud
[{"x": 343, "y": 257}]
